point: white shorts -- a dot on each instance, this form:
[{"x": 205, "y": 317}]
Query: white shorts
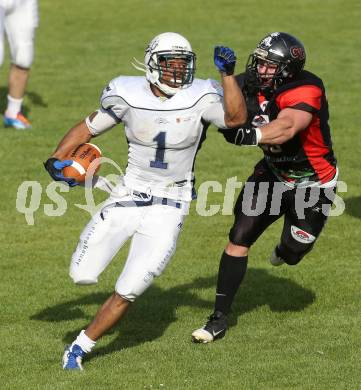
[
  {"x": 18, "y": 18},
  {"x": 154, "y": 230}
]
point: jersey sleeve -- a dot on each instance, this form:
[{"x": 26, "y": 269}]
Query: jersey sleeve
[
  {"x": 305, "y": 98},
  {"x": 100, "y": 121},
  {"x": 112, "y": 102},
  {"x": 212, "y": 102},
  {"x": 215, "y": 114}
]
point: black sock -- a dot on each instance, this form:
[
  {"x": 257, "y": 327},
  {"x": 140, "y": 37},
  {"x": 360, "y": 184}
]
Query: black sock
[{"x": 230, "y": 275}]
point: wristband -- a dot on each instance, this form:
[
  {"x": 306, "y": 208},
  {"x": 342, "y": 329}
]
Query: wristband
[
  {"x": 248, "y": 136},
  {"x": 258, "y": 135}
]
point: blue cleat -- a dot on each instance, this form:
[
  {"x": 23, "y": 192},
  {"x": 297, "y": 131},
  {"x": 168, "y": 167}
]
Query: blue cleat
[
  {"x": 72, "y": 358},
  {"x": 19, "y": 123}
]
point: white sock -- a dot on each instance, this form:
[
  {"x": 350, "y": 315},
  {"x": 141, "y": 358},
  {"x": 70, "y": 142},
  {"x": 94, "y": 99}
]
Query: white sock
[
  {"x": 14, "y": 106},
  {"x": 84, "y": 342}
]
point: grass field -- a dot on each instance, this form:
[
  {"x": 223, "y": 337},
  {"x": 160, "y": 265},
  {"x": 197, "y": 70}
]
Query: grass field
[{"x": 291, "y": 327}]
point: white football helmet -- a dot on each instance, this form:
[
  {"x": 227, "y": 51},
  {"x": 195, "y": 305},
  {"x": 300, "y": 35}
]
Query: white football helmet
[{"x": 161, "y": 50}]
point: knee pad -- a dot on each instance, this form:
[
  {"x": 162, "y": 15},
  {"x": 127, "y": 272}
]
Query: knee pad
[{"x": 23, "y": 55}]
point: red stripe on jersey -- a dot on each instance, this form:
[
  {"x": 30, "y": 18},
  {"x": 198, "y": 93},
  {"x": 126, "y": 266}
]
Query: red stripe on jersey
[
  {"x": 309, "y": 94},
  {"x": 315, "y": 148},
  {"x": 261, "y": 98}
]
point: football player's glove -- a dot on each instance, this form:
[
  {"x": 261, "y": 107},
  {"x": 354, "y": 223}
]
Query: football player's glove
[
  {"x": 54, "y": 166},
  {"x": 242, "y": 136},
  {"x": 224, "y": 59}
]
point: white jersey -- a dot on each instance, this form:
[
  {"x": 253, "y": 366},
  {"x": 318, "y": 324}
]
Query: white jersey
[{"x": 164, "y": 135}]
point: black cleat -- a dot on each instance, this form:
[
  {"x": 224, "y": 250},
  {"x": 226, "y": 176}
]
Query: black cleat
[
  {"x": 276, "y": 260},
  {"x": 214, "y": 329}
]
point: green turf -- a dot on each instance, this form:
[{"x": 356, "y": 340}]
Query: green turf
[{"x": 291, "y": 327}]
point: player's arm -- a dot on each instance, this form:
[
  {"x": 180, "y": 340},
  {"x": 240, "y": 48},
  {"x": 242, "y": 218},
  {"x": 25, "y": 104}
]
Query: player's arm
[
  {"x": 235, "y": 113},
  {"x": 234, "y": 103},
  {"x": 96, "y": 123},
  {"x": 299, "y": 106},
  {"x": 77, "y": 135},
  {"x": 287, "y": 124}
]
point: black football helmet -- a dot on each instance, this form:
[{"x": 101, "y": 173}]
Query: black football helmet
[{"x": 283, "y": 53}]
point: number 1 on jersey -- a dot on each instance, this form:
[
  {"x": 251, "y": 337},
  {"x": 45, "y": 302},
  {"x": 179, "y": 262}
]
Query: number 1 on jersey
[{"x": 159, "y": 153}]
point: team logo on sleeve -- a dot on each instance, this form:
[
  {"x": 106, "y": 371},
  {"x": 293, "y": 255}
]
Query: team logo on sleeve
[{"x": 302, "y": 236}]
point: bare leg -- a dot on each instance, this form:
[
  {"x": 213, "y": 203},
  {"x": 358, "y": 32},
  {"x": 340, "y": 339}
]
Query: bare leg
[
  {"x": 108, "y": 315},
  {"x": 236, "y": 250},
  {"x": 18, "y": 79}
]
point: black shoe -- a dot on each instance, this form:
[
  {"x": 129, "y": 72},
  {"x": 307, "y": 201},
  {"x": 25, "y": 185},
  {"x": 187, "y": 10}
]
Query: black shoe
[{"x": 214, "y": 329}]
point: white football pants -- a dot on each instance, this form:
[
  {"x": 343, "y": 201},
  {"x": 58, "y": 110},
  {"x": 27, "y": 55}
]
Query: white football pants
[
  {"x": 18, "y": 18},
  {"x": 154, "y": 230}
]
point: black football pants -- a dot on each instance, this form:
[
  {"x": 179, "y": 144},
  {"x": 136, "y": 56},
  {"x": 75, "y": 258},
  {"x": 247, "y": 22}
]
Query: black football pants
[{"x": 264, "y": 199}]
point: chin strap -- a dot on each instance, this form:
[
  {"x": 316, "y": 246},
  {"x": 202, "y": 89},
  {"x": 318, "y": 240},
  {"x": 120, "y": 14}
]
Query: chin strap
[
  {"x": 139, "y": 65},
  {"x": 143, "y": 68},
  {"x": 167, "y": 90}
]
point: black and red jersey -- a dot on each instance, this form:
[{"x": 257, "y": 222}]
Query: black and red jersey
[{"x": 308, "y": 156}]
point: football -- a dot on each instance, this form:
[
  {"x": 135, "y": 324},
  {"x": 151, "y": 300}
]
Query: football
[{"x": 82, "y": 157}]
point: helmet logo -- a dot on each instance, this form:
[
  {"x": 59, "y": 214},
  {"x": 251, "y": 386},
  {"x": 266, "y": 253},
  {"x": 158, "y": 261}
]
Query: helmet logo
[
  {"x": 268, "y": 40},
  {"x": 152, "y": 45},
  {"x": 297, "y": 52}
]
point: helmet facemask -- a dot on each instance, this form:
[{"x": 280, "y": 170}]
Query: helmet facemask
[
  {"x": 273, "y": 73},
  {"x": 171, "y": 70}
]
